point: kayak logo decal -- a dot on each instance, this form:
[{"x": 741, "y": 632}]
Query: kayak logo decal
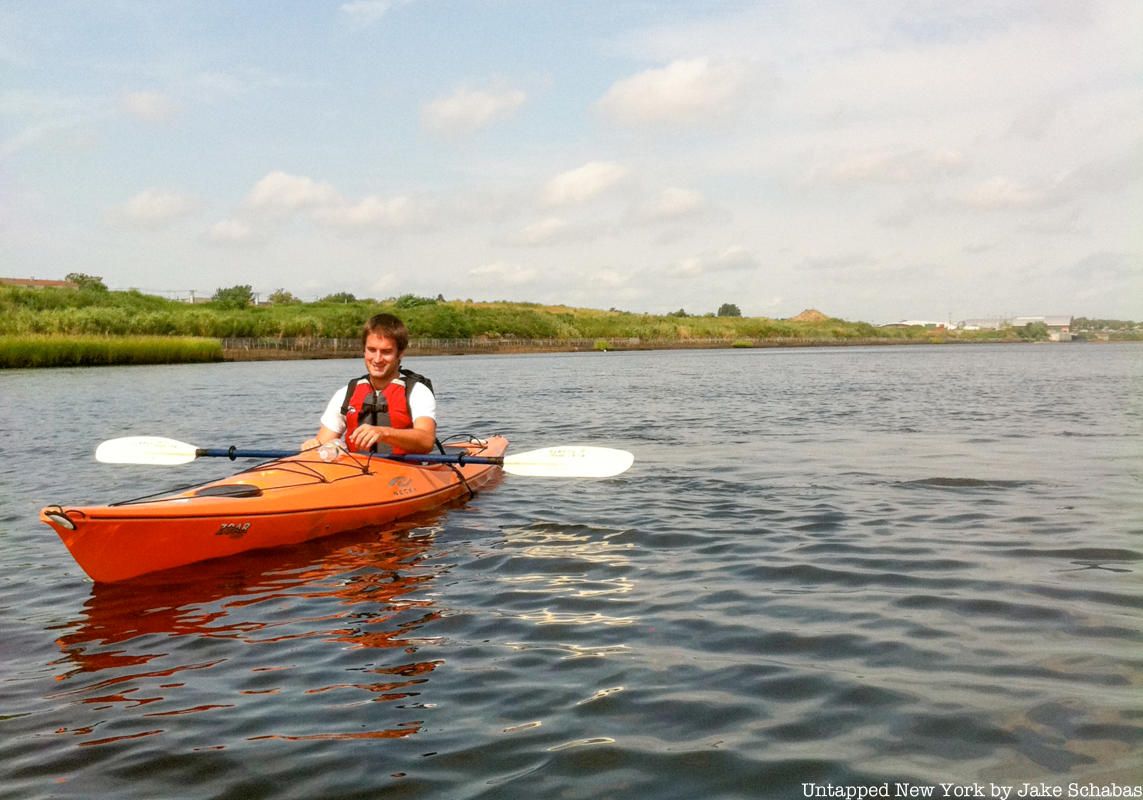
[
  {"x": 235, "y": 530},
  {"x": 402, "y": 485}
]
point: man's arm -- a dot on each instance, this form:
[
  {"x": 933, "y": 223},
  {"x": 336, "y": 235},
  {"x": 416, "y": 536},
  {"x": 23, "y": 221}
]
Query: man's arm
[{"x": 324, "y": 435}]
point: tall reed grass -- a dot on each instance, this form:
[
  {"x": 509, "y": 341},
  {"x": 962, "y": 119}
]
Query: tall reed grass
[{"x": 92, "y": 351}]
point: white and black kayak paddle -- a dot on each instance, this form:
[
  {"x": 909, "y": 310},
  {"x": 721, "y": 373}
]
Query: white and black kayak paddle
[{"x": 549, "y": 462}]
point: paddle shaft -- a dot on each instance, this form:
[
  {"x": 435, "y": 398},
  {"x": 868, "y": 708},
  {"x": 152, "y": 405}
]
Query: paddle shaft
[{"x": 417, "y": 458}]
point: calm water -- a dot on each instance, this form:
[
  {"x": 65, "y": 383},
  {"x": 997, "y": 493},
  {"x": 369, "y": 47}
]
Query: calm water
[{"x": 842, "y": 566}]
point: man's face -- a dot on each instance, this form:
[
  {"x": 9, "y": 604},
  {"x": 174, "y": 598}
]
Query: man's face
[{"x": 381, "y": 359}]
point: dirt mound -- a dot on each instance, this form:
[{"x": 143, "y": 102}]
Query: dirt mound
[{"x": 810, "y": 315}]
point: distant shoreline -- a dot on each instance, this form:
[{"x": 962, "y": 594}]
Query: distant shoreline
[
  {"x": 38, "y": 352},
  {"x": 286, "y": 351}
]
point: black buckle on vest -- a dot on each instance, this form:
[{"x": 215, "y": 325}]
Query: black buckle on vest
[{"x": 373, "y": 405}]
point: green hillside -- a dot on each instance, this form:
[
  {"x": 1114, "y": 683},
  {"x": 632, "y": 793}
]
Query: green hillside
[{"x": 95, "y": 311}]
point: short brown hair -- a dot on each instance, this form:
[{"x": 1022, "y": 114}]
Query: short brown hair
[{"x": 388, "y": 326}]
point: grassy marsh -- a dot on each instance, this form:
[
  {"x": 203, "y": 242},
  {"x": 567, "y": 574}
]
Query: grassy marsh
[{"x": 32, "y": 350}]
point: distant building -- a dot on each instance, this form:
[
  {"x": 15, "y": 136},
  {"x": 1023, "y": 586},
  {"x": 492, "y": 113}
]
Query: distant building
[
  {"x": 1059, "y": 326},
  {"x": 33, "y": 283},
  {"x": 915, "y": 323},
  {"x": 993, "y": 324}
]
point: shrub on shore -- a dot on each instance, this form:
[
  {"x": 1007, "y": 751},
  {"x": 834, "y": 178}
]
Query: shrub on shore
[{"x": 89, "y": 351}]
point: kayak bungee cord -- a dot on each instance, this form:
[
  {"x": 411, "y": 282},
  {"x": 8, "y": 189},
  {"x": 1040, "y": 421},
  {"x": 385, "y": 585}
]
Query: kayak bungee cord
[
  {"x": 354, "y": 461},
  {"x": 300, "y": 468}
]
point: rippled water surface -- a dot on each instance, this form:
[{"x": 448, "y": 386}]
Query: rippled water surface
[{"x": 839, "y": 566}]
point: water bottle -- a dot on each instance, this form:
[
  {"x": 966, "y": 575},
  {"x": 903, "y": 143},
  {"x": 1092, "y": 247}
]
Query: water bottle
[{"x": 330, "y": 451}]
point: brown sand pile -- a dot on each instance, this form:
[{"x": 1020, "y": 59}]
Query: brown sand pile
[{"x": 810, "y": 315}]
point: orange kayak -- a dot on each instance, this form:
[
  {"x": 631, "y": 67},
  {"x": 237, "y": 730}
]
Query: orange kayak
[{"x": 281, "y": 502}]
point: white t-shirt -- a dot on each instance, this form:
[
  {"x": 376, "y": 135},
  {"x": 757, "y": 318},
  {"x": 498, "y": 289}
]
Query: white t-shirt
[{"x": 422, "y": 403}]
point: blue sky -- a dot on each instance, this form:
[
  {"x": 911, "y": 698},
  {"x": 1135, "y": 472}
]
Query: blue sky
[{"x": 875, "y": 159}]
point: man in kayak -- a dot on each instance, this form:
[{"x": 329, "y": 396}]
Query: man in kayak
[{"x": 387, "y": 410}]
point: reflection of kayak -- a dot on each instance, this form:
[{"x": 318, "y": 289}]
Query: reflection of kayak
[
  {"x": 364, "y": 589},
  {"x": 348, "y": 588},
  {"x": 282, "y": 502}
]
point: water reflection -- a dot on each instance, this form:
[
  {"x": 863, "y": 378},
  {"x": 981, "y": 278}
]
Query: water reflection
[
  {"x": 146, "y": 649},
  {"x": 577, "y": 572}
]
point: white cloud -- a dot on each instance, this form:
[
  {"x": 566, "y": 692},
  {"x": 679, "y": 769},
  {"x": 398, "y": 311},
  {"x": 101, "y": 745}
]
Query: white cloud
[
  {"x": 366, "y": 12},
  {"x": 584, "y": 183},
  {"x": 32, "y": 136},
  {"x": 730, "y": 259},
  {"x": 1109, "y": 173},
  {"x": 610, "y": 279},
  {"x": 35, "y": 118},
  {"x": 280, "y": 191},
  {"x": 673, "y": 204},
  {"x": 499, "y": 273},
  {"x": 1002, "y": 193},
  {"x": 231, "y": 232},
  {"x": 149, "y": 106},
  {"x": 545, "y": 231},
  {"x": 468, "y": 110},
  {"x": 155, "y": 208},
  {"x": 370, "y": 212},
  {"x": 684, "y": 91},
  {"x": 893, "y": 166}
]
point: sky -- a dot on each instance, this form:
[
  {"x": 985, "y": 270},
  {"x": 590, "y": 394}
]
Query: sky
[{"x": 878, "y": 160}]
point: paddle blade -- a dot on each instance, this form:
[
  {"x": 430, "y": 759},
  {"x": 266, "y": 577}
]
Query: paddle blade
[
  {"x": 570, "y": 462},
  {"x": 145, "y": 450}
]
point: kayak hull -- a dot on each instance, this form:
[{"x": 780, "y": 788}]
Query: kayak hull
[{"x": 280, "y": 503}]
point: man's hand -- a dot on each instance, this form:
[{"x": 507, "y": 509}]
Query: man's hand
[{"x": 365, "y": 436}]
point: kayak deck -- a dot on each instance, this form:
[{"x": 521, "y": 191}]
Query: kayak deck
[{"x": 279, "y": 503}]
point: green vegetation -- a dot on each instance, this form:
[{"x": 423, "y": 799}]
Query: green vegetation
[
  {"x": 1033, "y": 332},
  {"x": 91, "y": 311},
  {"x": 235, "y": 297},
  {"x": 1119, "y": 330},
  {"x": 85, "y": 281},
  {"x": 91, "y": 351},
  {"x": 1086, "y": 324},
  {"x": 280, "y": 297},
  {"x": 35, "y": 315}
]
